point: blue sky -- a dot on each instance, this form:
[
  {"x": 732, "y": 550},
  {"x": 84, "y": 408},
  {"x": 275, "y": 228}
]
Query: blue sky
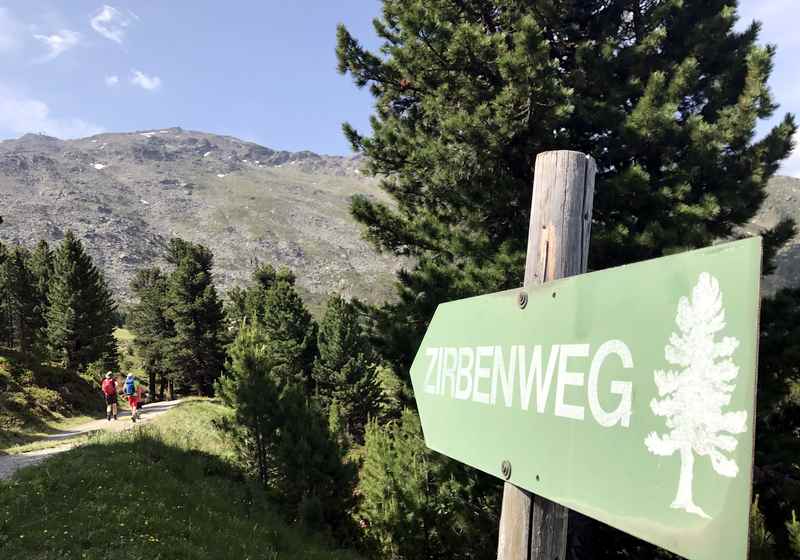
[{"x": 260, "y": 70}]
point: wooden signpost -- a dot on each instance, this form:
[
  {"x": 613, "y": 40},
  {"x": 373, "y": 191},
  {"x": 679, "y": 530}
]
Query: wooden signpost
[
  {"x": 533, "y": 527},
  {"x": 625, "y": 394}
]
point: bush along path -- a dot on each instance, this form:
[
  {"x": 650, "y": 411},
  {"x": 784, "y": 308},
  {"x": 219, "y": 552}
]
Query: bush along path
[{"x": 9, "y": 464}]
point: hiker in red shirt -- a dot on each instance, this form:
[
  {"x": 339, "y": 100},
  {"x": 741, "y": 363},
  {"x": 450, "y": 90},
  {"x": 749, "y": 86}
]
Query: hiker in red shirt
[{"x": 110, "y": 393}]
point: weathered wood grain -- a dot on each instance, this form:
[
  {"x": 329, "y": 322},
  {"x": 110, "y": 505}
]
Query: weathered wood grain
[{"x": 532, "y": 527}]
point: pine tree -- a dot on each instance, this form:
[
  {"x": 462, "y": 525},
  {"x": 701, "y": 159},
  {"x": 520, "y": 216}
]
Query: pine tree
[
  {"x": 272, "y": 303},
  {"x": 282, "y": 437},
  {"x": 148, "y": 320},
  {"x": 27, "y": 323},
  {"x": 253, "y": 392},
  {"x": 235, "y": 309},
  {"x": 80, "y": 312},
  {"x": 6, "y": 325},
  {"x": 314, "y": 479},
  {"x": 779, "y": 378},
  {"x": 336, "y": 425},
  {"x": 664, "y": 95},
  {"x": 289, "y": 327},
  {"x": 793, "y": 529},
  {"x": 345, "y": 370},
  {"x": 762, "y": 542},
  {"x": 41, "y": 265},
  {"x": 196, "y": 352},
  {"x": 395, "y": 393},
  {"x": 246, "y": 305},
  {"x": 416, "y": 503},
  {"x": 100, "y": 314},
  {"x": 265, "y": 277},
  {"x": 776, "y": 478}
]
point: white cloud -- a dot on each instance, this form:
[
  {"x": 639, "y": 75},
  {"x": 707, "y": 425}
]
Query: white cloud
[
  {"x": 57, "y": 43},
  {"x": 112, "y": 81},
  {"x": 11, "y": 31},
  {"x": 111, "y": 23},
  {"x": 144, "y": 81},
  {"x": 20, "y": 114}
]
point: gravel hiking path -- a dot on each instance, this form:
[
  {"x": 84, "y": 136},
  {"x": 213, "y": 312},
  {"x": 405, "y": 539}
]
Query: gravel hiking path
[{"x": 9, "y": 464}]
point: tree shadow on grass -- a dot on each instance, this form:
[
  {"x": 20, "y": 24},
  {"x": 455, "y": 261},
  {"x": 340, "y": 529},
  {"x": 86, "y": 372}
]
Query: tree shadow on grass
[{"x": 142, "y": 495}]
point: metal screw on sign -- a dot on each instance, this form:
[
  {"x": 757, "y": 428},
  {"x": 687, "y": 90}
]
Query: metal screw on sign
[
  {"x": 552, "y": 253},
  {"x": 522, "y": 299},
  {"x": 505, "y": 468}
]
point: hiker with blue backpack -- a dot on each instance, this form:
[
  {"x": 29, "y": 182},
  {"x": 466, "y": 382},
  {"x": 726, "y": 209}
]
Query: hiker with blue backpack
[{"x": 133, "y": 391}]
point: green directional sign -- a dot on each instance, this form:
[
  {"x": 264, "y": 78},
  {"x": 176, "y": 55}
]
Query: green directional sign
[{"x": 626, "y": 394}]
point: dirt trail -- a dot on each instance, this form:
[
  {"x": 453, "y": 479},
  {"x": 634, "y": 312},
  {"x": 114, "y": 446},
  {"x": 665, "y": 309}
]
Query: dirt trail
[{"x": 9, "y": 464}]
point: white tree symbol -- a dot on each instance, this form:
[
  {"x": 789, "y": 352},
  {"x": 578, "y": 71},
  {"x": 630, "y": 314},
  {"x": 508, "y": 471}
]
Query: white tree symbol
[{"x": 693, "y": 398}]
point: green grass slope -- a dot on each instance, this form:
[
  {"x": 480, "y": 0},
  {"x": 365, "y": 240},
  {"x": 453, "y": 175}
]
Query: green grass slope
[
  {"x": 168, "y": 490},
  {"x": 36, "y": 399},
  {"x": 129, "y": 359}
]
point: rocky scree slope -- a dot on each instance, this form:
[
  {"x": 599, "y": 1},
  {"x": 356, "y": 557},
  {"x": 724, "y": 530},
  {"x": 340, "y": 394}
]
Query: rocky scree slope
[
  {"x": 783, "y": 201},
  {"x": 126, "y": 194}
]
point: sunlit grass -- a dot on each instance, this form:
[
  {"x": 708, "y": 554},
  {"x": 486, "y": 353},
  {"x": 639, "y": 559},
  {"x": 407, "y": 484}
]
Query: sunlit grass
[
  {"x": 124, "y": 335},
  {"x": 39, "y": 399},
  {"x": 169, "y": 489}
]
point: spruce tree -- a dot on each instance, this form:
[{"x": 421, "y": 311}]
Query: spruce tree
[
  {"x": 148, "y": 320},
  {"x": 196, "y": 351},
  {"x": 80, "y": 312},
  {"x": 345, "y": 370},
  {"x": 664, "y": 95}
]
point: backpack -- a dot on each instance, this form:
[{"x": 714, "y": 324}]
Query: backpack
[
  {"x": 129, "y": 388},
  {"x": 108, "y": 387}
]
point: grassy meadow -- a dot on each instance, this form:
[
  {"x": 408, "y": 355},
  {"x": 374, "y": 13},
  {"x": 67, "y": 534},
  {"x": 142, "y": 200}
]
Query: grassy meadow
[{"x": 167, "y": 490}]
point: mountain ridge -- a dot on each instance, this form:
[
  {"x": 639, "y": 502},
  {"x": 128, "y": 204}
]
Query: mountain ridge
[{"x": 125, "y": 194}]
